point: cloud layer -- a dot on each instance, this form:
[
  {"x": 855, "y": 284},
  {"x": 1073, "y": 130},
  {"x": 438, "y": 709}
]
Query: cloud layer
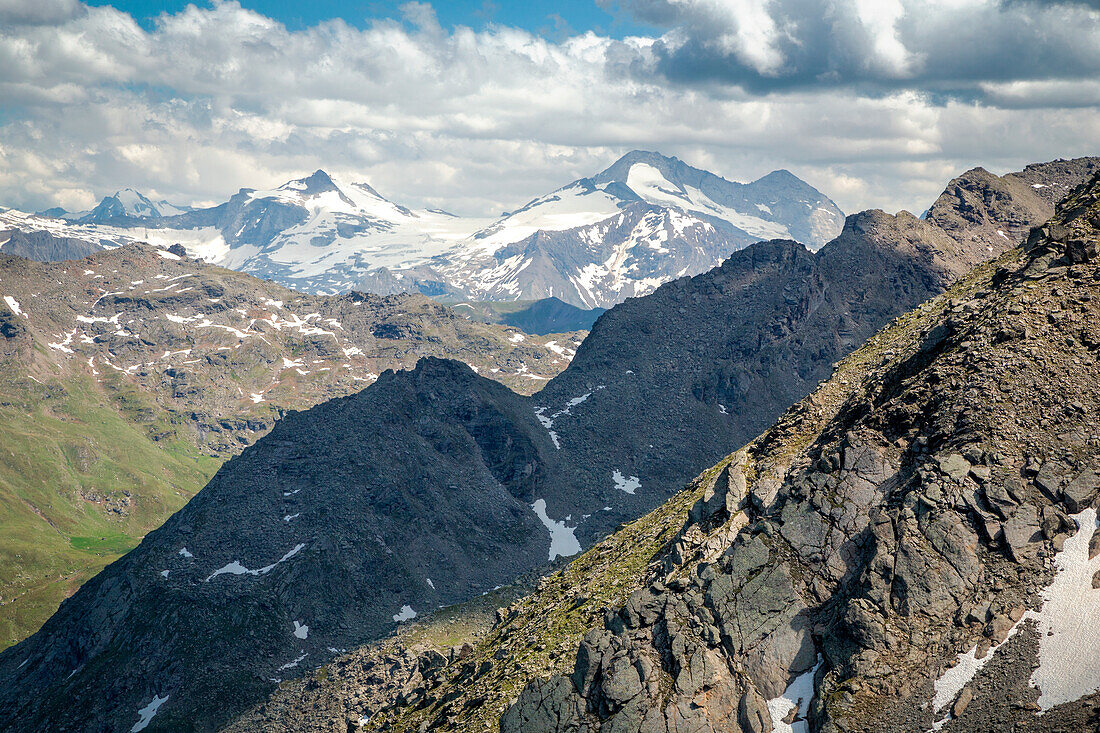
[
  {"x": 955, "y": 47},
  {"x": 876, "y": 102}
]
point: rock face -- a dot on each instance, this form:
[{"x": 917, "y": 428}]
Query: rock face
[
  {"x": 881, "y": 551},
  {"x": 980, "y": 210},
  {"x": 336, "y": 521},
  {"x": 46, "y": 247}
]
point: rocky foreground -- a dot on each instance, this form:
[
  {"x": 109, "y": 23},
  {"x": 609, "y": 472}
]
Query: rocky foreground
[{"x": 912, "y": 547}]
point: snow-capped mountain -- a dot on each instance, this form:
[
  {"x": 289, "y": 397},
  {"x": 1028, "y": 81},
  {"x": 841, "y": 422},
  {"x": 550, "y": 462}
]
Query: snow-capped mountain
[
  {"x": 320, "y": 235},
  {"x": 125, "y": 206},
  {"x": 645, "y": 220}
]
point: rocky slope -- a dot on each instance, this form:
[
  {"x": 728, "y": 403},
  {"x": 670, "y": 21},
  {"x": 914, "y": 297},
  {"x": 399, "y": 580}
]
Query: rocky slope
[
  {"x": 128, "y": 376},
  {"x": 979, "y": 208},
  {"x": 924, "y": 559},
  {"x": 911, "y": 547},
  {"x": 311, "y": 528}
]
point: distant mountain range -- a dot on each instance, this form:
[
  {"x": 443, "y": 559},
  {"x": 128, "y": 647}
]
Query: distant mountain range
[{"x": 644, "y": 221}]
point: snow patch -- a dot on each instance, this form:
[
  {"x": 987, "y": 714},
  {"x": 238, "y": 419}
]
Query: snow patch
[
  {"x": 235, "y": 567},
  {"x": 562, "y": 540},
  {"x": 294, "y": 663},
  {"x": 301, "y": 630},
  {"x": 14, "y": 305},
  {"x": 405, "y": 614},
  {"x": 168, "y": 255},
  {"x": 578, "y": 400},
  {"x": 548, "y": 423},
  {"x": 798, "y": 694},
  {"x": 1069, "y": 622},
  {"x": 629, "y": 484},
  {"x": 145, "y": 715}
]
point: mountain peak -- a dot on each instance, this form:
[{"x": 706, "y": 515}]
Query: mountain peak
[
  {"x": 129, "y": 203},
  {"x": 317, "y": 182},
  {"x": 619, "y": 170},
  {"x": 779, "y": 175}
]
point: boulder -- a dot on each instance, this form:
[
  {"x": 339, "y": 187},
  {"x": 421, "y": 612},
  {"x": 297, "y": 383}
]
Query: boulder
[
  {"x": 962, "y": 701},
  {"x": 955, "y": 466},
  {"x": 545, "y": 705},
  {"x": 1081, "y": 491},
  {"x": 999, "y": 498},
  {"x": 1080, "y": 249},
  {"x": 752, "y": 713},
  {"x": 1021, "y": 530}
]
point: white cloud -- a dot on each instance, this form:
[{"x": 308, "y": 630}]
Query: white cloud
[
  {"x": 218, "y": 98},
  {"x": 38, "y": 11}
]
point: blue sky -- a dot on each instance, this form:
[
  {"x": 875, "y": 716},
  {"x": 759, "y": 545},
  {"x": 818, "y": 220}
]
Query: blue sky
[
  {"x": 877, "y": 104},
  {"x": 549, "y": 19}
]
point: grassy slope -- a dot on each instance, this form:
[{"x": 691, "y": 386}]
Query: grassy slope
[{"x": 68, "y": 451}]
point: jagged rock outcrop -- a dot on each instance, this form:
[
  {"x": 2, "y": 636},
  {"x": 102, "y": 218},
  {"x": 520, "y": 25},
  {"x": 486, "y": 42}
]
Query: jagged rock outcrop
[{"x": 930, "y": 516}]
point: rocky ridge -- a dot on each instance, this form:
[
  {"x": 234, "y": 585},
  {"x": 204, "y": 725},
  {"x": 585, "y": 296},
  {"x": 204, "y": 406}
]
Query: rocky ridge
[
  {"x": 921, "y": 535},
  {"x": 910, "y": 547}
]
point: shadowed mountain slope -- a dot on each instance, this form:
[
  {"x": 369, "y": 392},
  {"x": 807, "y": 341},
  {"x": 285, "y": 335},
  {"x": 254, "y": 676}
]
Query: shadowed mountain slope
[{"x": 911, "y": 547}]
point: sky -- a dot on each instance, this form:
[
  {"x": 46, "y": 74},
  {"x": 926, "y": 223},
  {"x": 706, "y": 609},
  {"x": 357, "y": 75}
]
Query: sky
[{"x": 478, "y": 107}]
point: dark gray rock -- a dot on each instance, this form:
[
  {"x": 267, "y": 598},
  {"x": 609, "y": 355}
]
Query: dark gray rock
[
  {"x": 1021, "y": 531},
  {"x": 1081, "y": 491},
  {"x": 955, "y": 466},
  {"x": 547, "y": 705}
]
